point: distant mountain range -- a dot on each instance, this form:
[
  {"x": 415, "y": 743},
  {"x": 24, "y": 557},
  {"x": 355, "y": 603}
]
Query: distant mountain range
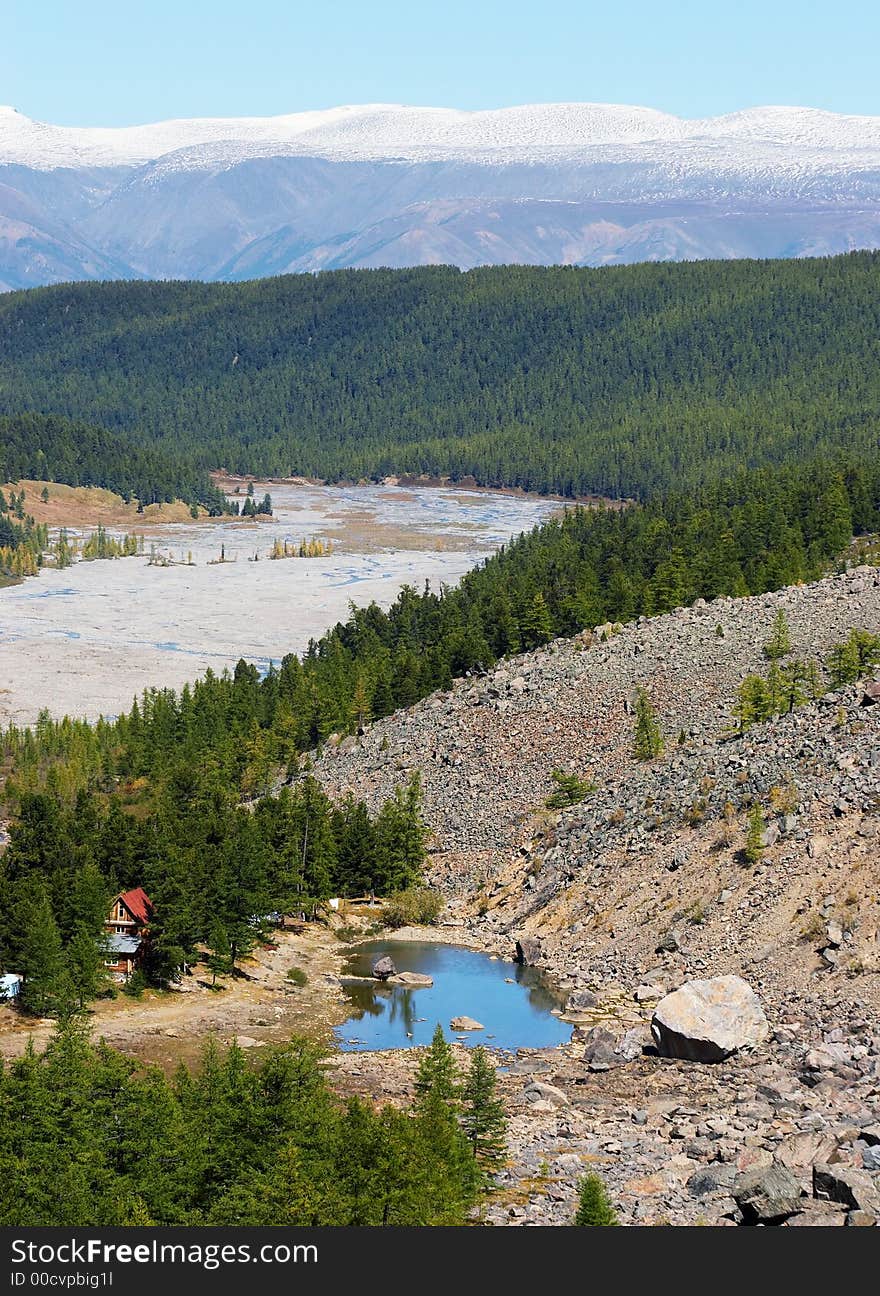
[{"x": 386, "y": 185}]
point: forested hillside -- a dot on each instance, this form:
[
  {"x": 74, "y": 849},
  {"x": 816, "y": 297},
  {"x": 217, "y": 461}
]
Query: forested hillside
[
  {"x": 50, "y": 448},
  {"x": 650, "y": 380},
  {"x": 152, "y": 798},
  {"x": 620, "y": 381}
]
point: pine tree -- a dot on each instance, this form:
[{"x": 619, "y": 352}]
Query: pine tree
[
  {"x": 754, "y": 703},
  {"x": 594, "y": 1208},
  {"x": 85, "y": 964},
  {"x": 360, "y": 703},
  {"x": 754, "y": 847},
  {"x": 219, "y": 958},
  {"x": 443, "y": 1145},
  {"x": 39, "y": 956},
  {"x": 795, "y": 683},
  {"x": 483, "y": 1119},
  {"x": 536, "y": 623},
  {"x": 401, "y": 837},
  {"x": 436, "y": 1074},
  {"x": 570, "y": 790},
  {"x": 648, "y": 739},
  {"x": 779, "y": 643}
]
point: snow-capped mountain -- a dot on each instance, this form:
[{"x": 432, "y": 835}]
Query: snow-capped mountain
[{"x": 392, "y": 185}]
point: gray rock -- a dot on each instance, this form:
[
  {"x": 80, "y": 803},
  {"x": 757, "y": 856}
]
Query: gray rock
[
  {"x": 581, "y": 1001},
  {"x": 706, "y": 1021},
  {"x": 852, "y": 1188},
  {"x": 632, "y": 1044},
  {"x": 540, "y": 1091},
  {"x": 466, "y": 1024},
  {"x": 871, "y": 1159},
  {"x": 834, "y": 934},
  {"x": 861, "y": 1219},
  {"x": 648, "y": 993},
  {"x": 384, "y": 968},
  {"x": 871, "y": 693},
  {"x": 767, "y": 1196},
  {"x": 599, "y": 1053},
  {"x": 712, "y": 1180},
  {"x": 413, "y": 979},
  {"x": 817, "y": 1214},
  {"x": 528, "y": 951}
]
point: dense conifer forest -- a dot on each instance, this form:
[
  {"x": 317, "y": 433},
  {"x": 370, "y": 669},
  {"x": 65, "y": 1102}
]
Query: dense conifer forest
[
  {"x": 49, "y": 448},
  {"x": 621, "y": 381},
  {"x": 87, "y": 1138}
]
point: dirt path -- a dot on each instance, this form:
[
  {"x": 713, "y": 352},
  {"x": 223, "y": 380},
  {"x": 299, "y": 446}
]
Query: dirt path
[{"x": 263, "y": 1007}]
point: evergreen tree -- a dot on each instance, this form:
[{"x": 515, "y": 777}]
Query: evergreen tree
[
  {"x": 754, "y": 847},
  {"x": 436, "y": 1075},
  {"x": 754, "y": 703},
  {"x": 536, "y": 624},
  {"x": 779, "y": 643},
  {"x": 219, "y": 957},
  {"x": 794, "y": 685},
  {"x": 570, "y": 790},
  {"x": 400, "y": 839},
  {"x": 483, "y": 1119},
  {"x": 85, "y": 964},
  {"x": 648, "y": 742},
  {"x": 38, "y": 954},
  {"x": 594, "y": 1209},
  {"x": 440, "y": 1134}
]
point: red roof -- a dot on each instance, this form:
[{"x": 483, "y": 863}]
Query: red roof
[{"x": 138, "y": 903}]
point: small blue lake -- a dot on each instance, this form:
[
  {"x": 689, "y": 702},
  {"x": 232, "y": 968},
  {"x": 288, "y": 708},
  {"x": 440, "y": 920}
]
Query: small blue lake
[{"x": 512, "y": 1002}]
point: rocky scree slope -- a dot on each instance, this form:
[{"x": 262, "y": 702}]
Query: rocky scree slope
[
  {"x": 643, "y": 886},
  {"x": 645, "y": 878}
]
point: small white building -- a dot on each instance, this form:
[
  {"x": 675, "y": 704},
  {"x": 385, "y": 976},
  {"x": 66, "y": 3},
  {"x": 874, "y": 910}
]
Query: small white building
[{"x": 10, "y": 985}]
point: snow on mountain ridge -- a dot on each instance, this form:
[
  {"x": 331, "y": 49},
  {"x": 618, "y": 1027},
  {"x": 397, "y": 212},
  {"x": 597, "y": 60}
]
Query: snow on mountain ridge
[{"x": 749, "y": 139}]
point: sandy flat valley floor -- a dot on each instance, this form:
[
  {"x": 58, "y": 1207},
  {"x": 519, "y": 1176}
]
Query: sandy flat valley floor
[{"x": 84, "y": 640}]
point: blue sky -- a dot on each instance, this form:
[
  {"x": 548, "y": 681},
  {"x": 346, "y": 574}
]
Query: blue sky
[{"x": 93, "y": 62}]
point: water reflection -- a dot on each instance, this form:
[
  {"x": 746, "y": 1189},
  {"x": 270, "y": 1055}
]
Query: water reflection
[{"x": 513, "y": 1003}]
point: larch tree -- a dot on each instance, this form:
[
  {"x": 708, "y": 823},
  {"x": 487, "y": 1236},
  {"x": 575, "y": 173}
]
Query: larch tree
[
  {"x": 594, "y": 1208},
  {"x": 648, "y": 740},
  {"x": 482, "y": 1117}
]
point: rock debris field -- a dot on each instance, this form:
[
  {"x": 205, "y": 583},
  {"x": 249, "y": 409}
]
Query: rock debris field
[{"x": 644, "y": 886}]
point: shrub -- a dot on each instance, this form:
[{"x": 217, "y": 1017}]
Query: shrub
[
  {"x": 135, "y": 985},
  {"x": 648, "y": 740},
  {"x": 754, "y": 847},
  {"x": 348, "y": 933},
  {"x": 570, "y": 790},
  {"x": 414, "y": 907},
  {"x": 297, "y": 976}
]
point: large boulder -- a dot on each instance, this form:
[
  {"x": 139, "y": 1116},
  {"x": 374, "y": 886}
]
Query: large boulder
[
  {"x": 581, "y": 1001},
  {"x": 706, "y": 1021},
  {"x": 384, "y": 968},
  {"x": 605, "y": 1050},
  {"x": 852, "y": 1188},
  {"x": 466, "y": 1024},
  {"x": 539, "y": 1091},
  {"x": 415, "y": 980},
  {"x": 528, "y": 951},
  {"x": 768, "y": 1195}
]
